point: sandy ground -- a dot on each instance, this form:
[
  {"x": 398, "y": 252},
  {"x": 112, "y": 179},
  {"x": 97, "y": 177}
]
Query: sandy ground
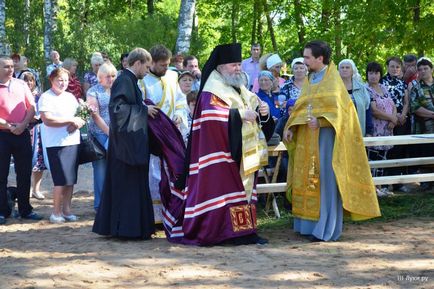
[{"x": 398, "y": 254}]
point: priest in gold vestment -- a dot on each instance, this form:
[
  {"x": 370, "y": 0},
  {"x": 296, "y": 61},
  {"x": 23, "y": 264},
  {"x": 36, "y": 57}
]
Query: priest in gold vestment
[{"x": 328, "y": 170}]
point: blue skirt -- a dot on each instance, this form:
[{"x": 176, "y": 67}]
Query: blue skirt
[{"x": 63, "y": 164}]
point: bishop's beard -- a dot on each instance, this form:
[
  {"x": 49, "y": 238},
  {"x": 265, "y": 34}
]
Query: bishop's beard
[{"x": 235, "y": 80}]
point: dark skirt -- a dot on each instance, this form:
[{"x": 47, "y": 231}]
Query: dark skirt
[{"x": 63, "y": 164}]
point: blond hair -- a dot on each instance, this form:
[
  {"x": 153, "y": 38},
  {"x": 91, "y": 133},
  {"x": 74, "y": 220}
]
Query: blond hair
[{"x": 106, "y": 69}]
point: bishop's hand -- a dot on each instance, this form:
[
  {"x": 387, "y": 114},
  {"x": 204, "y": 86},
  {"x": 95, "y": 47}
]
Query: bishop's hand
[{"x": 264, "y": 109}]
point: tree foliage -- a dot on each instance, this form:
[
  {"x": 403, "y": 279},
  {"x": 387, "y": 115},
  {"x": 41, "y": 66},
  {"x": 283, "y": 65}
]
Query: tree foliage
[{"x": 364, "y": 30}]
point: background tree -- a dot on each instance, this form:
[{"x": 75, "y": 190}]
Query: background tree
[
  {"x": 50, "y": 17},
  {"x": 4, "y": 46},
  {"x": 185, "y": 26},
  {"x": 362, "y": 30}
]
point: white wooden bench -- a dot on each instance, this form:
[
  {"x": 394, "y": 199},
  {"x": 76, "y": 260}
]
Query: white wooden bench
[{"x": 271, "y": 187}]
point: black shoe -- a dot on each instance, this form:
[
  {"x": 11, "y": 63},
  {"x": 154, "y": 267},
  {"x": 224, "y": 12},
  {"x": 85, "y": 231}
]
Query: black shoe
[
  {"x": 2, "y": 220},
  {"x": 261, "y": 241},
  {"x": 425, "y": 186},
  {"x": 246, "y": 240},
  {"x": 32, "y": 216},
  {"x": 312, "y": 238}
]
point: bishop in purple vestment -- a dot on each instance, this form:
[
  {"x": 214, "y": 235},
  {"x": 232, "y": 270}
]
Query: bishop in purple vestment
[{"x": 227, "y": 146}]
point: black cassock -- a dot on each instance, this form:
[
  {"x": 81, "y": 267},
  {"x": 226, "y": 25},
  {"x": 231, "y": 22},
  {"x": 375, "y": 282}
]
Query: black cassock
[{"x": 126, "y": 204}]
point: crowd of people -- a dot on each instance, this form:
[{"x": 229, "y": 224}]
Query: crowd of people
[{"x": 184, "y": 144}]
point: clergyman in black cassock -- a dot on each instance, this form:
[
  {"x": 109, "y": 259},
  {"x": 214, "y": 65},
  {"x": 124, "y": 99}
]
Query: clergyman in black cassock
[{"x": 126, "y": 205}]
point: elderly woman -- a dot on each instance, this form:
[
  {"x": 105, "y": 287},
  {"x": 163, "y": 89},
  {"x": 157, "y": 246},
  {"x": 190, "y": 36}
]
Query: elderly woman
[
  {"x": 358, "y": 93},
  {"x": 384, "y": 116},
  {"x": 90, "y": 77},
  {"x": 74, "y": 85},
  {"x": 265, "y": 93},
  {"x": 61, "y": 136},
  {"x": 185, "y": 80},
  {"x": 98, "y": 96}
]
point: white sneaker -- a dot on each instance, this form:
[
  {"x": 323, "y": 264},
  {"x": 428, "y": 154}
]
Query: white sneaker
[
  {"x": 70, "y": 218},
  {"x": 380, "y": 193},
  {"x": 38, "y": 195},
  {"x": 56, "y": 219}
]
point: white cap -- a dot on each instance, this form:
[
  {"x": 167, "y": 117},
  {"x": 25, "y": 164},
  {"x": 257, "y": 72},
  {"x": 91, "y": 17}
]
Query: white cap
[
  {"x": 297, "y": 60},
  {"x": 424, "y": 58},
  {"x": 273, "y": 60}
]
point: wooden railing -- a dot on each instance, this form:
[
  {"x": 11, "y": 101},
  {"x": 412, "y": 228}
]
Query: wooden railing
[{"x": 272, "y": 187}]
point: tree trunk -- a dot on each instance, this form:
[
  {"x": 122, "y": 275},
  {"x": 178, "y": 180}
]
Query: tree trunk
[
  {"x": 270, "y": 25},
  {"x": 150, "y": 7},
  {"x": 416, "y": 20},
  {"x": 254, "y": 24},
  {"x": 325, "y": 15},
  {"x": 4, "y": 46},
  {"x": 185, "y": 25},
  {"x": 50, "y": 13},
  {"x": 259, "y": 15},
  {"x": 301, "y": 30},
  {"x": 26, "y": 24},
  {"x": 234, "y": 20},
  {"x": 338, "y": 28}
]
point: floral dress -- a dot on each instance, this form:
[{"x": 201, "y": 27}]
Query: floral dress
[
  {"x": 385, "y": 104},
  {"x": 38, "y": 153},
  {"x": 396, "y": 88},
  {"x": 290, "y": 90},
  {"x": 91, "y": 78}
]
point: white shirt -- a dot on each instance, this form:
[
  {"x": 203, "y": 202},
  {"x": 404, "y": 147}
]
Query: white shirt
[
  {"x": 172, "y": 102},
  {"x": 63, "y": 105}
]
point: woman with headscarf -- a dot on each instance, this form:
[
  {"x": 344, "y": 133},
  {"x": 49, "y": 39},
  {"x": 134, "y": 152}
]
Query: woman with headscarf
[
  {"x": 358, "y": 93},
  {"x": 292, "y": 87},
  {"x": 265, "y": 93}
]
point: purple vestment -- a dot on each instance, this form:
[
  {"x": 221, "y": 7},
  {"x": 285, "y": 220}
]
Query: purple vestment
[{"x": 215, "y": 205}]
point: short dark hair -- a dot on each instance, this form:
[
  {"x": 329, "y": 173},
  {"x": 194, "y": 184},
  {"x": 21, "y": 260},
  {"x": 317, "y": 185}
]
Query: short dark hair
[
  {"x": 255, "y": 45},
  {"x": 187, "y": 59},
  {"x": 424, "y": 62},
  {"x": 394, "y": 59},
  {"x": 320, "y": 48},
  {"x": 410, "y": 58},
  {"x": 160, "y": 52},
  {"x": 16, "y": 57},
  {"x": 123, "y": 55},
  {"x": 374, "y": 67}
]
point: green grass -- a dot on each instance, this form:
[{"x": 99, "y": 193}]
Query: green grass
[
  {"x": 407, "y": 206},
  {"x": 399, "y": 206}
]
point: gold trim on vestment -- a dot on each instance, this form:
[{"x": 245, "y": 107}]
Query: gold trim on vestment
[
  {"x": 254, "y": 152},
  {"x": 332, "y": 105}
]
